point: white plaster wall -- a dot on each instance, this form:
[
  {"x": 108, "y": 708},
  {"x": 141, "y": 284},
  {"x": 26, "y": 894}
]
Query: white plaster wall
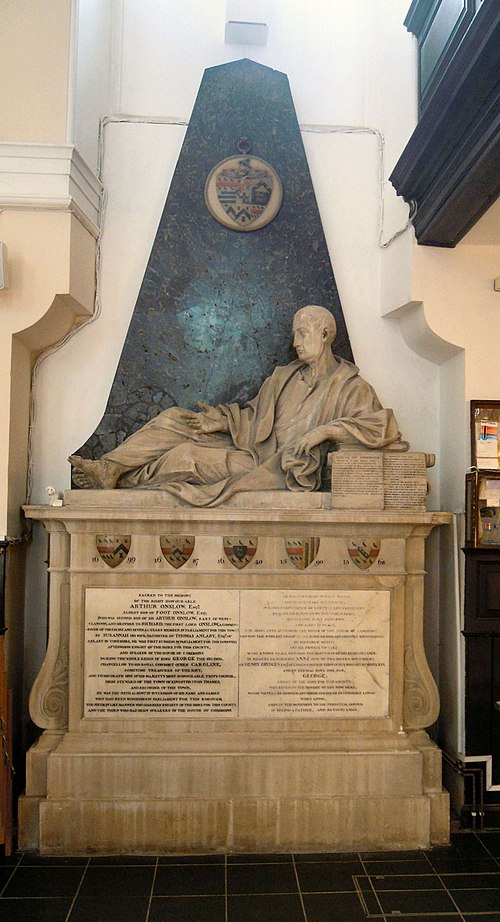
[
  {"x": 461, "y": 305},
  {"x": 456, "y": 288},
  {"x": 340, "y": 75},
  {"x": 39, "y": 244},
  {"x": 323, "y": 46},
  {"x": 95, "y": 28},
  {"x": 34, "y": 62}
]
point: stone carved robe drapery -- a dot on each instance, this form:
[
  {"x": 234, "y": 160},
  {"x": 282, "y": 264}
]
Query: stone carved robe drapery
[{"x": 257, "y": 452}]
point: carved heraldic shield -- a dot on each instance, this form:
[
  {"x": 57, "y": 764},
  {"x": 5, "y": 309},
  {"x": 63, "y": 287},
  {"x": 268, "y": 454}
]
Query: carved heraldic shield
[
  {"x": 240, "y": 550},
  {"x": 364, "y": 552},
  {"x": 113, "y": 548},
  {"x": 302, "y": 551},
  {"x": 177, "y": 549}
]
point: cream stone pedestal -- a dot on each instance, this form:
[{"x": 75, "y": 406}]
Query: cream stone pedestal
[{"x": 269, "y": 693}]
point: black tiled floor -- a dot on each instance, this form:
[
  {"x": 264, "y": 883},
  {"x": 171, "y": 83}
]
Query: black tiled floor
[
  {"x": 261, "y": 878},
  {"x": 492, "y": 842},
  {"x": 50, "y": 910},
  {"x": 47, "y": 882},
  {"x": 404, "y": 902},
  {"x": 328, "y": 877},
  {"x": 477, "y": 900},
  {"x": 455, "y": 883},
  {"x": 190, "y": 880},
  {"x": 330, "y": 907},
  {"x": 280, "y": 907},
  {"x": 110, "y": 907},
  {"x": 378, "y": 882},
  {"x": 125, "y": 881},
  {"x": 401, "y": 868}
]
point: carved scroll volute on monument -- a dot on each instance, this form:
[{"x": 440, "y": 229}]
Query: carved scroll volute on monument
[
  {"x": 421, "y": 696},
  {"x": 49, "y": 695}
]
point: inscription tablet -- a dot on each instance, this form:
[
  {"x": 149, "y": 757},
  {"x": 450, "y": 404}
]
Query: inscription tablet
[
  {"x": 246, "y": 653},
  {"x": 153, "y": 652},
  {"x": 310, "y": 653}
]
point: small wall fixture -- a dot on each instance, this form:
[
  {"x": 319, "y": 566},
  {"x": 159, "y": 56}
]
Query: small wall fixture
[
  {"x": 246, "y": 22},
  {"x": 4, "y": 282}
]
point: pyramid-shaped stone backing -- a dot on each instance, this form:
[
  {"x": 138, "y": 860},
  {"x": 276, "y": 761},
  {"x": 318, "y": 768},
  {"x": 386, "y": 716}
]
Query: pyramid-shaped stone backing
[{"x": 213, "y": 316}]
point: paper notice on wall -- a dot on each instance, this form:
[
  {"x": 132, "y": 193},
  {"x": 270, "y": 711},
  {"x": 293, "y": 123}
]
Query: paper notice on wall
[{"x": 487, "y": 445}]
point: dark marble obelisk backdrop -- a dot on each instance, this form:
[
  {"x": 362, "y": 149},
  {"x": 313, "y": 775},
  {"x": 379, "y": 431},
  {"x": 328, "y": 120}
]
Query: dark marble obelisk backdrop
[{"x": 214, "y": 312}]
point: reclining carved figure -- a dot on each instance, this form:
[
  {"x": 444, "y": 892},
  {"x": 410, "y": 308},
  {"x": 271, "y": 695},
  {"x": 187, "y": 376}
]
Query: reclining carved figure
[{"x": 279, "y": 440}]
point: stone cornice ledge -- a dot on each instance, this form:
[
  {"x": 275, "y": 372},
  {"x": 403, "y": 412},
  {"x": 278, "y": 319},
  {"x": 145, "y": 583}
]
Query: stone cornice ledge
[
  {"x": 272, "y": 506},
  {"x": 50, "y": 177}
]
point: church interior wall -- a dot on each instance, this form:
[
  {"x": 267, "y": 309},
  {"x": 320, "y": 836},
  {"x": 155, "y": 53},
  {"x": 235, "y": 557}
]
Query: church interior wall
[
  {"x": 96, "y": 30},
  {"x": 332, "y": 71},
  {"x": 456, "y": 286},
  {"x": 51, "y": 260},
  {"x": 34, "y": 67},
  {"x": 352, "y": 73}
]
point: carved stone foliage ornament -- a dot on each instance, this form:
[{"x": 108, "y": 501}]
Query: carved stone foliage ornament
[
  {"x": 177, "y": 549},
  {"x": 243, "y": 192},
  {"x": 302, "y": 551},
  {"x": 420, "y": 709},
  {"x": 113, "y": 549},
  {"x": 240, "y": 550},
  {"x": 363, "y": 551},
  {"x": 54, "y": 703}
]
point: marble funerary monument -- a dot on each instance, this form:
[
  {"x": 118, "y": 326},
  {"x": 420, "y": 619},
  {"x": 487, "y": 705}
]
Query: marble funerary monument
[{"x": 235, "y": 656}]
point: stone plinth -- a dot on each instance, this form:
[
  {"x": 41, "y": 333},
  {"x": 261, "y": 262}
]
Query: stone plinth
[{"x": 250, "y": 677}]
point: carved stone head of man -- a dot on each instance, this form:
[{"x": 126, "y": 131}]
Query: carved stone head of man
[{"x": 314, "y": 331}]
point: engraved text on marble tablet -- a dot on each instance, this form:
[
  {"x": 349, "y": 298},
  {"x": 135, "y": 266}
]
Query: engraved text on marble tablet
[{"x": 236, "y": 652}]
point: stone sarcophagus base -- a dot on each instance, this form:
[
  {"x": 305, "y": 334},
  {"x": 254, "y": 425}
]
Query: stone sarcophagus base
[{"x": 250, "y": 677}]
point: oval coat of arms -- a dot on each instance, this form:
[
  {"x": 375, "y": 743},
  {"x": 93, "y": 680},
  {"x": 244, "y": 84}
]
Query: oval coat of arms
[{"x": 243, "y": 193}]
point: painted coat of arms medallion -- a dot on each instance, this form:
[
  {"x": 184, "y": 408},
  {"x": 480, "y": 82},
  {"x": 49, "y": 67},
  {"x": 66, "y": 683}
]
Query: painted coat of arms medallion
[
  {"x": 302, "y": 551},
  {"x": 113, "y": 549},
  {"x": 243, "y": 193},
  {"x": 240, "y": 550},
  {"x": 363, "y": 552},
  {"x": 177, "y": 549}
]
